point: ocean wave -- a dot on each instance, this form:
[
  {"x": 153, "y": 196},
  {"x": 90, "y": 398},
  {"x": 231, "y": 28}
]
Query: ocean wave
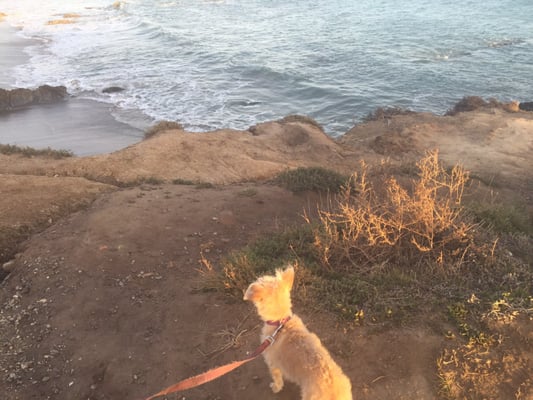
[
  {"x": 233, "y": 63},
  {"x": 497, "y": 43}
]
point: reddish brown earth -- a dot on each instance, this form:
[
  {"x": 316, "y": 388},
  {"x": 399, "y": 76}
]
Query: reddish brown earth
[{"x": 105, "y": 303}]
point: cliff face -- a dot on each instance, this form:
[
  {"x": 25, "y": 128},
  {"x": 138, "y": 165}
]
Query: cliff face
[
  {"x": 45, "y": 94},
  {"x": 219, "y": 157},
  {"x": 493, "y": 144}
]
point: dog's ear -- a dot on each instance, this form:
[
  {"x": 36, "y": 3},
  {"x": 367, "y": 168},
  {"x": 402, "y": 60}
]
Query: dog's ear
[
  {"x": 287, "y": 277},
  {"x": 254, "y": 292}
]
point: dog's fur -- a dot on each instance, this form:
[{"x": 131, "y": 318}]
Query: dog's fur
[{"x": 297, "y": 354}]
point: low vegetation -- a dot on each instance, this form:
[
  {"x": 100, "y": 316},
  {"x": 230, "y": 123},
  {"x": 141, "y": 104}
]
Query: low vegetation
[
  {"x": 9, "y": 149},
  {"x": 161, "y": 127},
  {"x": 389, "y": 251},
  {"x": 375, "y": 222},
  {"x": 301, "y": 118},
  {"x": 472, "y": 103},
  {"x": 383, "y": 113},
  {"x": 316, "y": 179},
  {"x": 503, "y": 218}
]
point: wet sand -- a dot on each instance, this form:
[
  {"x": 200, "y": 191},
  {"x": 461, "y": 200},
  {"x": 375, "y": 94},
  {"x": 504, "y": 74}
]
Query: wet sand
[{"x": 84, "y": 127}]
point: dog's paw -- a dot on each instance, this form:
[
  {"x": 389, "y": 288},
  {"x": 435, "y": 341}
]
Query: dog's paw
[{"x": 276, "y": 387}]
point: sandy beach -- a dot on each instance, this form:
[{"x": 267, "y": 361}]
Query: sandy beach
[{"x": 82, "y": 126}]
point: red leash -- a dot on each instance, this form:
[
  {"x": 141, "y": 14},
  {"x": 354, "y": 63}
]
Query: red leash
[{"x": 215, "y": 373}]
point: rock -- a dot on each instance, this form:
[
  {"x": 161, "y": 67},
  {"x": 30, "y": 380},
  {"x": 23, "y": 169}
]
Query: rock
[
  {"x": 113, "y": 89},
  {"x": 20, "y": 97},
  {"x": 4, "y": 99},
  {"x": 12, "y": 377},
  {"x": 45, "y": 94},
  {"x": 9, "y": 266},
  {"x": 526, "y": 106},
  {"x": 513, "y": 106}
]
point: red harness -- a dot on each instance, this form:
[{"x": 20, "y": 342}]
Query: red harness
[
  {"x": 278, "y": 322},
  {"x": 215, "y": 373}
]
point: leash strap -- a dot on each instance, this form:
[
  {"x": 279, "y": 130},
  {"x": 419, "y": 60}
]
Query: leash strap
[
  {"x": 201, "y": 379},
  {"x": 215, "y": 373}
]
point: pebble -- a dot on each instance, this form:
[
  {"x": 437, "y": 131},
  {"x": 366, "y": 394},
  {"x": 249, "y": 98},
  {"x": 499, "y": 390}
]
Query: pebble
[
  {"x": 9, "y": 266},
  {"x": 26, "y": 365}
]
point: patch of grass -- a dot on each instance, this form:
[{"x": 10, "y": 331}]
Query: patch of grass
[
  {"x": 301, "y": 118},
  {"x": 180, "y": 181},
  {"x": 312, "y": 178},
  {"x": 388, "y": 296},
  {"x": 196, "y": 184},
  {"x": 151, "y": 180},
  {"x": 503, "y": 218},
  {"x": 466, "y": 316},
  {"x": 249, "y": 192},
  {"x": 382, "y": 113},
  {"x": 161, "y": 127},
  {"x": 491, "y": 182},
  {"x": 240, "y": 268},
  {"x": 31, "y": 152},
  {"x": 204, "y": 185}
]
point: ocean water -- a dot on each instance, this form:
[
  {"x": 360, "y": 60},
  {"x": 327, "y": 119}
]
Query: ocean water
[{"x": 232, "y": 63}]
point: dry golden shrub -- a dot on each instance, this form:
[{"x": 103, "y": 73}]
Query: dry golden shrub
[{"x": 373, "y": 222}]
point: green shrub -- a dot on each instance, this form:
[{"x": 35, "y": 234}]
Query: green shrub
[
  {"x": 503, "y": 218},
  {"x": 313, "y": 179}
]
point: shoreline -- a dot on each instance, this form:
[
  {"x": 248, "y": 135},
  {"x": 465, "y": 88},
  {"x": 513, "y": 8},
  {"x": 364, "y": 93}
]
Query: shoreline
[
  {"x": 85, "y": 127},
  {"x": 11, "y": 53}
]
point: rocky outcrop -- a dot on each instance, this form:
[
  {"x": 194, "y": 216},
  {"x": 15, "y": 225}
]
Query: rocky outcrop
[
  {"x": 45, "y": 94},
  {"x": 526, "y": 106},
  {"x": 113, "y": 89}
]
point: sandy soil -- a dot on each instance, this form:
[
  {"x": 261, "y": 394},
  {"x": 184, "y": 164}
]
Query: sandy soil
[{"x": 104, "y": 303}]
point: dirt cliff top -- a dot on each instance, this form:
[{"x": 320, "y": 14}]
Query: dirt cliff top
[{"x": 102, "y": 301}]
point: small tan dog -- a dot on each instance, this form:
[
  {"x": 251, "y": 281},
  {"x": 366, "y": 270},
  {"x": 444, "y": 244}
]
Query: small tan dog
[{"x": 296, "y": 354}]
